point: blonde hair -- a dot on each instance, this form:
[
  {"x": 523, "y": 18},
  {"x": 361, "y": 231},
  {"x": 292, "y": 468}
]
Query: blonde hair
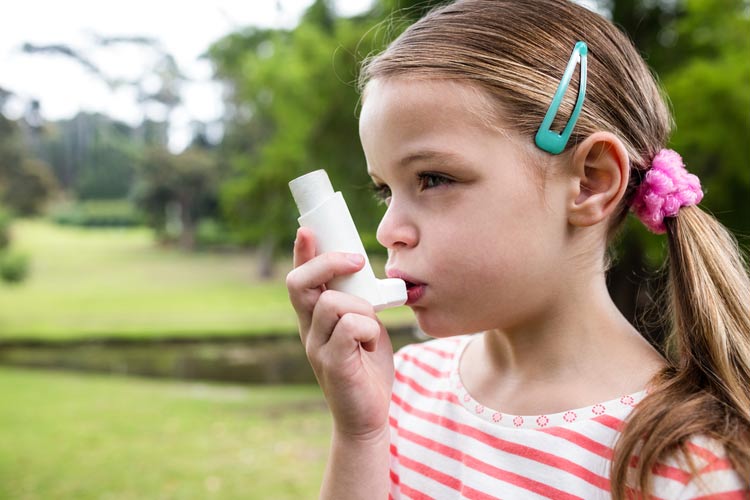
[{"x": 515, "y": 51}]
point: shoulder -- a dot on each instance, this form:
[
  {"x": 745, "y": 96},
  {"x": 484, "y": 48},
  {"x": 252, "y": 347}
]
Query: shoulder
[
  {"x": 422, "y": 378},
  {"x": 425, "y": 369},
  {"x": 432, "y": 355},
  {"x": 702, "y": 470}
]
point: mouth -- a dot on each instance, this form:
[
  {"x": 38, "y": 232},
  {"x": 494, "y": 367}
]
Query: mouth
[{"x": 414, "y": 288}]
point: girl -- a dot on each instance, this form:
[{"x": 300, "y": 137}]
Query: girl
[{"x": 535, "y": 385}]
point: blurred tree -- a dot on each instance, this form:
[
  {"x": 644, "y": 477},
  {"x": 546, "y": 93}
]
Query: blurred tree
[
  {"x": 175, "y": 191},
  {"x": 5, "y": 221},
  {"x": 165, "y": 72},
  {"x": 26, "y": 183},
  {"x": 404, "y": 12},
  {"x": 14, "y": 265},
  {"x": 293, "y": 103},
  {"x": 29, "y": 187},
  {"x": 650, "y": 24},
  {"x": 11, "y": 152},
  {"x": 701, "y": 51},
  {"x": 92, "y": 156},
  {"x": 710, "y": 94}
]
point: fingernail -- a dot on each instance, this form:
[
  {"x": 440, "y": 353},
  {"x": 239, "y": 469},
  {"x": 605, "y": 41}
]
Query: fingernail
[{"x": 354, "y": 258}]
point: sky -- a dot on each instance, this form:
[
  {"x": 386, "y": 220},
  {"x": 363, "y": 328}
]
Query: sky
[{"x": 185, "y": 29}]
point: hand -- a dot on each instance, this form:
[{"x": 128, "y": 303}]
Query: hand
[{"x": 346, "y": 344}]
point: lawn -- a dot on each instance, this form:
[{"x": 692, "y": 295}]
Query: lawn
[
  {"x": 120, "y": 283},
  {"x": 67, "y": 436}
]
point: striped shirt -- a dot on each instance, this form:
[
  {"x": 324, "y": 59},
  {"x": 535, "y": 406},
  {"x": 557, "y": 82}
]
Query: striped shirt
[{"x": 446, "y": 445}]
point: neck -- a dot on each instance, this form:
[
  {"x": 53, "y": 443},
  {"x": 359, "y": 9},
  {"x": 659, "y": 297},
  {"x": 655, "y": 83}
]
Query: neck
[
  {"x": 563, "y": 334},
  {"x": 578, "y": 347}
]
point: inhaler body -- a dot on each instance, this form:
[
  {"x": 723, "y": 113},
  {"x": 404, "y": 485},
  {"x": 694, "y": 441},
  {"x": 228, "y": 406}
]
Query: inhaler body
[{"x": 325, "y": 213}]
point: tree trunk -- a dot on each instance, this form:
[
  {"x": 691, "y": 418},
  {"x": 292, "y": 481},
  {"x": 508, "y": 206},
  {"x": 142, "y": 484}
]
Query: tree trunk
[
  {"x": 265, "y": 258},
  {"x": 187, "y": 234}
]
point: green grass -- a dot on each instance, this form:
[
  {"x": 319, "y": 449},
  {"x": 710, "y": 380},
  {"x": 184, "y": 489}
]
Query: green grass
[
  {"x": 120, "y": 283},
  {"x": 67, "y": 436}
]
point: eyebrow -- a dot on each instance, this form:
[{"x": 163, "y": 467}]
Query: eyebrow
[{"x": 440, "y": 157}]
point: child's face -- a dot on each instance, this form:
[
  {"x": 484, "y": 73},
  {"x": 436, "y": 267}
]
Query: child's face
[{"x": 466, "y": 216}]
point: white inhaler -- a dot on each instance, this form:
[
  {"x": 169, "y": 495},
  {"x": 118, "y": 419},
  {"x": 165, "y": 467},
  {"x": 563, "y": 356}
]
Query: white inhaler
[{"x": 326, "y": 214}]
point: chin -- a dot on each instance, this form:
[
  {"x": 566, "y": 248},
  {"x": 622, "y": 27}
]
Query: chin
[{"x": 437, "y": 326}]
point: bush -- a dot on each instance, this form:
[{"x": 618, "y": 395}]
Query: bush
[
  {"x": 14, "y": 267},
  {"x": 211, "y": 233},
  {"x": 97, "y": 213},
  {"x": 5, "y": 220}
]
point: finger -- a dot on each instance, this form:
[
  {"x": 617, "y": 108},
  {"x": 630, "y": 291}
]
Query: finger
[
  {"x": 351, "y": 331},
  {"x": 304, "y": 246},
  {"x": 331, "y": 307},
  {"x": 304, "y": 250},
  {"x": 317, "y": 271}
]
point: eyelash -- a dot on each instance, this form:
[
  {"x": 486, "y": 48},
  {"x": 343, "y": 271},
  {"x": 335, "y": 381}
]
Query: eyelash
[{"x": 382, "y": 192}]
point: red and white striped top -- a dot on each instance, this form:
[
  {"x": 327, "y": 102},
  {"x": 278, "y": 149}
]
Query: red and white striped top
[{"x": 445, "y": 445}]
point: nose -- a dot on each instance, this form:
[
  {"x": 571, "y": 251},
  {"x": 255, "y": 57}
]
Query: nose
[{"x": 396, "y": 229}]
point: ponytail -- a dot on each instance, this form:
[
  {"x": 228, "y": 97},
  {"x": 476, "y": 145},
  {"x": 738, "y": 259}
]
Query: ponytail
[{"x": 705, "y": 390}]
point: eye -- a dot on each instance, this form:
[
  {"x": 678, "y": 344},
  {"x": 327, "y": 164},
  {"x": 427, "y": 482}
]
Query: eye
[
  {"x": 429, "y": 180},
  {"x": 382, "y": 193}
]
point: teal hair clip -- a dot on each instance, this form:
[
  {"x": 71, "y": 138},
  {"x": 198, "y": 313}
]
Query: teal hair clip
[{"x": 546, "y": 139}]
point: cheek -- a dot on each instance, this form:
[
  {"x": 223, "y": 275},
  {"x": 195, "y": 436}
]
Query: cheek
[{"x": 484, "y": 263}]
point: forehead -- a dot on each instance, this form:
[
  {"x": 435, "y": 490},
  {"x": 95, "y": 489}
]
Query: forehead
[
  {"x": 404, "y": 101},
  {"x": 400, "y": 115}
]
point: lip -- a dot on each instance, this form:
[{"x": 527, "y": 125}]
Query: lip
[{"x": 414, "y": 288}]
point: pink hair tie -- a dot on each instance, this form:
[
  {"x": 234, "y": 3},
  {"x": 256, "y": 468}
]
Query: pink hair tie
[{"x": 666, "y": 187}]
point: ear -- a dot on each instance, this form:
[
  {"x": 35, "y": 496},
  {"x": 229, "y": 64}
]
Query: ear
[{"x": 601, "y": 168}]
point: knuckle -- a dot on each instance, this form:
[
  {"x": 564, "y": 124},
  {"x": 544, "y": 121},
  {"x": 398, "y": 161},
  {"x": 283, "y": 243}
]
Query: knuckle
[
  {"x": 310, "y": 352},
  {"x": 351, "y": 321},
  {"x": 347, "y": 321},
  {"x": 327, "y": 300},
  {"x": 371, "y": 326},
  {"x": 292, "y": 279},
  {"x": 374, "y": 323}
]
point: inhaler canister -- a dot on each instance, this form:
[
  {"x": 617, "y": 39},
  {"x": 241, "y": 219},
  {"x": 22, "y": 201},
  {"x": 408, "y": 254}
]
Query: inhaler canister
[{"x": 325, "y": 213}]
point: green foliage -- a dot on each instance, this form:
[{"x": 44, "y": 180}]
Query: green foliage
[
  {"x": 14, "y": 266},
  {"x": 5, "y": 220},
  {"x": 650, "y": 25},
  {"x": 701, "y": 51},
  {"x": 175, "y": 191},
  {"x": 26, "y": 183},
  {"x": 212, "y": 233},
  {"x": 93, "y": 156},
  {"x": 30, "y": 187},
  {"x": 710, "y": 94},
  {"x": 408, "y": 11},
  {"x": 295, "y": 102},
  {"x": 97, "y": 213}
]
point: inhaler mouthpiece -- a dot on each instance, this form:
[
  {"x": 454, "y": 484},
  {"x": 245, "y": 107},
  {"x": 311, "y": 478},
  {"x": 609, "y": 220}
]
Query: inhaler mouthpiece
[{"x": 325, "y": 212}]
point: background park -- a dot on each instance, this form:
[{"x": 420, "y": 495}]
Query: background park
[{"x": 147, "y": 347}]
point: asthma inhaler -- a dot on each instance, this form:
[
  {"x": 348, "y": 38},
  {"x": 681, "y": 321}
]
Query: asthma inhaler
[{"x": 326, "y": 214}]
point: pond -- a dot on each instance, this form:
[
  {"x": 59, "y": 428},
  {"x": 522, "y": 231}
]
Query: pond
[{"x": 273, "y": 359}]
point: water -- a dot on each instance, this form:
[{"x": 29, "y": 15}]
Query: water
[{"x": 277, "y": 359}]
